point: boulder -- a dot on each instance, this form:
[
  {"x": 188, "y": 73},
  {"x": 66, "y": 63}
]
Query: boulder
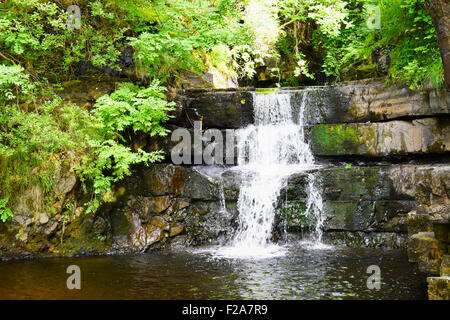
[
  {"x": 176, "y": 230},
  {"x": 370, "y": 100},
  {"x": 144, "y": 236},
  {"x": 427, "y": 251},
  {"x": 160, "y": 180}
]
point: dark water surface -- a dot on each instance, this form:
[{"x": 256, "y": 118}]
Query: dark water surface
[{"x": 339, "y": 273}]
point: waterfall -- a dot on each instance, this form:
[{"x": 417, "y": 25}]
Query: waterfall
[{"x": 268, "y": 153}]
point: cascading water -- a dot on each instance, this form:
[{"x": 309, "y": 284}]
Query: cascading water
[{"x": 268, "y": 153}]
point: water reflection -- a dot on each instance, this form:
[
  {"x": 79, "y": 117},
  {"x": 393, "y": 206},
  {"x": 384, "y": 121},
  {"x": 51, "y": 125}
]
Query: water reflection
[{"x": 302, "y": 273}]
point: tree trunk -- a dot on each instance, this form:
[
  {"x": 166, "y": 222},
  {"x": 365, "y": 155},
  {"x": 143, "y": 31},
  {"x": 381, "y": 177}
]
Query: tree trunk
[{"x": 440, "y": 13}]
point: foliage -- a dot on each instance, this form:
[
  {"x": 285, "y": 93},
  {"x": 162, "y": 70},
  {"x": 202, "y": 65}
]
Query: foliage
[
  {"x": 53, "y": 129},
  {"x": 129, "y": 107},
  {"x": 39, "y": 130},
  {"x": 14, "y": 84},
  {"x": 184, "y": 32},
  {"x": 141, "y": 109},
  {"x": 347, "y": 47},
  {"x": 35, "y": 32},
  {"x": 5, "y": 212}
]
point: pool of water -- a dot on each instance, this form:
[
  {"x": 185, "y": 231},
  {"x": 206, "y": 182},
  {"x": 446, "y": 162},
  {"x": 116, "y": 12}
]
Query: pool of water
[{"x": 301, "y": 273}]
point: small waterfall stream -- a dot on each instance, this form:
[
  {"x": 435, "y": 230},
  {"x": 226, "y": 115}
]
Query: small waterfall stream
[{"x": 268, "y": 153}]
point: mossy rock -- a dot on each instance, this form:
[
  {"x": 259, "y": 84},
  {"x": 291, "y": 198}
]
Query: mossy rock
[{"x": 427, "y": 251}]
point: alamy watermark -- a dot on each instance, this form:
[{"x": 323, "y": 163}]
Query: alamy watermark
[
  {"x": 74, "y": 280},
  {"x": 374, "y": 20},
  {"x": 374, "y": 280},
  {"x": 74, "y": 19},
  {"x": 208, "y": 147}
]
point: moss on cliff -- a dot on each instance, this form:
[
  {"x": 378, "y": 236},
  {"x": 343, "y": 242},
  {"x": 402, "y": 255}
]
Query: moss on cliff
[{"x": 335, "y": 139}]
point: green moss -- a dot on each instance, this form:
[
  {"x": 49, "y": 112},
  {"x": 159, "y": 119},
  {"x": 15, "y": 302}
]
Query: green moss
[
  {"x": 436, "y": 147},
  {"x": 293, "y": 216},
  {"x": 266, "y": 90},
  {"x": 337, "y": 139}
]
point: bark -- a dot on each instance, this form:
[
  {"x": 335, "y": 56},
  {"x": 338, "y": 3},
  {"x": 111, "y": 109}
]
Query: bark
[{"x": 440, "y": 13}]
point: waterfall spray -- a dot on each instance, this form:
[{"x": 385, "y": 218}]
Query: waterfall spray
[{"x": 268, "y": 153}]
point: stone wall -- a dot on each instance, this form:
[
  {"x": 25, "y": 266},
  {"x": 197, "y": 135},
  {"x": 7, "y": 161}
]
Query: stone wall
[{"x": 371, "y": 205}]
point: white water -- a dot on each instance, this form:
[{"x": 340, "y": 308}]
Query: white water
[{"x": 268, "y": 153}]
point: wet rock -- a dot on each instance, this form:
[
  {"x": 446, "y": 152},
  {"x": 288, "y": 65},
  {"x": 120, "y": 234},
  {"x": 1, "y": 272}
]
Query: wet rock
[
  {"x": 427, "y": 251},
  {"x": 199, "y": 187},
  {"x": 160, "y": 222},
  {"x": 366, "y": 215},
  {"x": 368, "y": 100},
  {"x": 295, "y": 188},
  {"x": 418, "y": 223},
  {"x": 361, "y": 239},
  {"x": 182, "y": 204},
  {"x": 176, "y": 230},
  {"x": 445, "y": 266},
  {"x": 347, "y": 215},
  {"x": 441, "y": 231},
  {"x": 435, "y": 181},
  {"x": 160, "y": 180},
  {"x": 357, "y": 183},
  {"x": 121, "y": 222},
  {"x": 145, "y": 236},
  {"x": 403, "y": 179},
  {"x": 159, "y": 204},
  {"x": 141, "y": 206},
  {"x": 396, "y": 224},
  {"x": 438, "y": 288},
  {"x": 439, "y": 211}
]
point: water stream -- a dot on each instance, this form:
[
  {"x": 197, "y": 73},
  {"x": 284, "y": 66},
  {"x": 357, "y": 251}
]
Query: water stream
[{"x": 300, "y": 274}]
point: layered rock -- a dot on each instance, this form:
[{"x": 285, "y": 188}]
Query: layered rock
[
  {"x": 216, "y": 108},
  {"x": 421, "y": 136},
  {"x": 361, "y": 101},
  {"x": 346, "y": 102},
  {"x": 372, "y": 205},
  {"x": 171, "y": 205}
]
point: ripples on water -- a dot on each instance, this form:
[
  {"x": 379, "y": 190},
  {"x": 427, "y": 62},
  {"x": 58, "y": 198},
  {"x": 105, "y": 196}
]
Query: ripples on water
[{"x": 300, "y": 271}]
